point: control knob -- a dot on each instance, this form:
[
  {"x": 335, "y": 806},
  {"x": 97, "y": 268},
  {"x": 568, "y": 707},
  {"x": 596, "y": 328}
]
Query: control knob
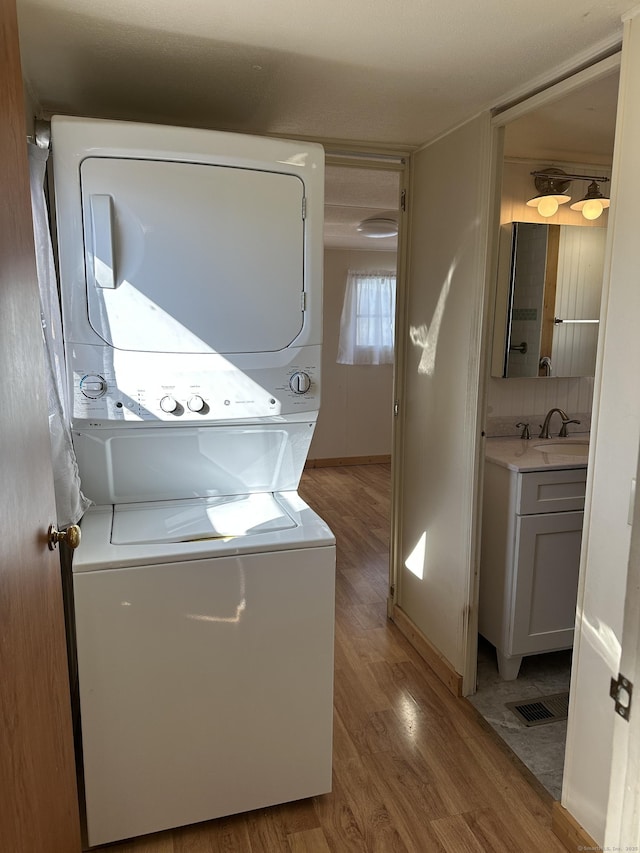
[
  {"x": 195, "y": 403},
  {"x": 93, "y": 386},
  {"x": 300, "y": 382},
  {"x": 168, "y": 404}
]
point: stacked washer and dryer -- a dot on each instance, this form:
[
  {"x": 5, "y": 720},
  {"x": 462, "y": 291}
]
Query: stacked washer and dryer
[{"x": 191, "y": 289}]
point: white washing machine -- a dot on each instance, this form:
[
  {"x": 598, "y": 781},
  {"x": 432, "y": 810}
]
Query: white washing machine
[{"x": 191, "y": 286}]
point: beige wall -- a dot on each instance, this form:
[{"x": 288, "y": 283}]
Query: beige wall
[
  {"x": 356, "y": 407},
  {"x": 512, "y": 400}
]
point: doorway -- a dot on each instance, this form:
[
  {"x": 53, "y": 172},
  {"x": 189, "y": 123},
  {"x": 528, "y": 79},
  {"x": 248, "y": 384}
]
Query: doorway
[
  {"x": 576, "y": 133},
  {"x": 355, "y": 420}
]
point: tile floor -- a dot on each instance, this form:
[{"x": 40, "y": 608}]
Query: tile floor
[{"x": 541, "y": 748}]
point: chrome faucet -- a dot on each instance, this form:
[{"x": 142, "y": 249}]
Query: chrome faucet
[
  {"x": 566, "y": 420},
  {"x": 545, "y": 364}
]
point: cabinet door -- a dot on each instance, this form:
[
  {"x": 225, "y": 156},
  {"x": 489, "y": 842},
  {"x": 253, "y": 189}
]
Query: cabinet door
[{"x": 547, "y": 560}]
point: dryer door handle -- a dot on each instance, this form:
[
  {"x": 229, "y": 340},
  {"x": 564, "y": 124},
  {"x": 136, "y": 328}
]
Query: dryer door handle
[{"x": 104, "y": 266}]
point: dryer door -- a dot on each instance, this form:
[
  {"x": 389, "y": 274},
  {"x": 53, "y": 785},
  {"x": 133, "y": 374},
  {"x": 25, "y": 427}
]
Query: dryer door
[{"x": 184, "y": 257}]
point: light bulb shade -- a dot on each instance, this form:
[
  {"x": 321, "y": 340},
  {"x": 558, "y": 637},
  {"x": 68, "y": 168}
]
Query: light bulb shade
[
  {"x": 378, "y": 226},
  {"x": 592, "y": 209},
  {"x": 593, "y": 203},
  {"x": 547, "y": 205}
]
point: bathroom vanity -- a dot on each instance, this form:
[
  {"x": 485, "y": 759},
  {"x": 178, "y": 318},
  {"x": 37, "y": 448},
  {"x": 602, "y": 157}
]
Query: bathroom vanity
[{"x": 531, "y": 536}]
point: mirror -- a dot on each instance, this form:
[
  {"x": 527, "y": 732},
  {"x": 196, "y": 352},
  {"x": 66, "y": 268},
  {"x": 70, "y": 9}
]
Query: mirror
[{"x": 548, "y": 300}]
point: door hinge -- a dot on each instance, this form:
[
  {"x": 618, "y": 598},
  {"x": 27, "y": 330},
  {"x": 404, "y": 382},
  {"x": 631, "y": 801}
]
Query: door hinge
[
  {"x": 396, "y": 408},
  {"x": 304, "y": 207},
  {"x": 392, "y": 591},
  {"x": 403, "y": 199},
  {"x": 622, "y": 689},
  {"x": 303, "y": 301}
]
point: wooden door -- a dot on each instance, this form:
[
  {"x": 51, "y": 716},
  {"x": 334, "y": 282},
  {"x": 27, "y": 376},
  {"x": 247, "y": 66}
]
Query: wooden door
[{"x": 38, "y": 806}]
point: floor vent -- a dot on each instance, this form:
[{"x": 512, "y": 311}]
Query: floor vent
[{"x": 539, "y": 712}]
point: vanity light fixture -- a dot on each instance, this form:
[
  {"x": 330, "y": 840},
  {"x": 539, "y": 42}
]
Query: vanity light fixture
[
  {"x": 593, "y": 203},
  {"x": 552, "y": 185},
  {"x": 378, "y": 226}
]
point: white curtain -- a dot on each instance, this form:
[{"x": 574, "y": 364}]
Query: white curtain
[
  {"x": 367, "y": 322},
  {"x": 70, "y": 502}
]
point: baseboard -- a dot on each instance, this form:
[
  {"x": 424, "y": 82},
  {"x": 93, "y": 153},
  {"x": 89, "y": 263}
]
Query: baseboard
[
  {"x": 439, "y": 664},
  {"x": 347, "y": 460},
  {"x": 567, "y": 829}
]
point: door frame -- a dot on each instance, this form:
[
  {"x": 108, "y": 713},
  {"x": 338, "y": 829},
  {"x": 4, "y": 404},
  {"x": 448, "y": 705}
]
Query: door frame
[
  {"x": 599, "y": 69},
  {"x": 387, "y": 159}
]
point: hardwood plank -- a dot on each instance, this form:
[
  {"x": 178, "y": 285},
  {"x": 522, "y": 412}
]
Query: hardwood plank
[
  {"x": 160, "y": 842},
  {"x": 310, "y": 841},
  {"x": 266, "y": 831},
  {"x": 364, "y": 616},
  {"x": 376, "y": 832},
  {"x": 476, "y": 832},
  {"x": 344, "y": 747},
  {"x": 523, "y": 798},
  {"x": 413, "y": 790}
]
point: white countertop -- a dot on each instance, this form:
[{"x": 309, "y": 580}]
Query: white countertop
[{"x": 521, "y": 455}]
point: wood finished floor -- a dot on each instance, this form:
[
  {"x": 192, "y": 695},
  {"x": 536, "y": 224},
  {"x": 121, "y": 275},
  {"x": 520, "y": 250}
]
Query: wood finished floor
[{"x": 415, "y": 769}]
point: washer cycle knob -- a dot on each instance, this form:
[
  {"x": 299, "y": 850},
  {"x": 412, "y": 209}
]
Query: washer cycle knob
[
  {"x": 195, "y": 403},
  {"x": 168, "y": 404},
  {"x": 300, "y": 382}
]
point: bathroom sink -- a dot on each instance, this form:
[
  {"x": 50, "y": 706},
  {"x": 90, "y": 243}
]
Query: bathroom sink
[{"x": 564, "y": 448}]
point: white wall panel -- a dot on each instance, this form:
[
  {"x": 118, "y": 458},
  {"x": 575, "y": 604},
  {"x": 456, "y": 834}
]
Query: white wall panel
[{"x": 449, "y": 209}]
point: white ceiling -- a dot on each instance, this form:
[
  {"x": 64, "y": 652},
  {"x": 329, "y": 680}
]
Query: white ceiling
[
  {"x": 366, "y": 70},
  {"x": 578, "y": 128},
  {"x": 370, "y": 71},
  {"x": 352, "y": 195}
]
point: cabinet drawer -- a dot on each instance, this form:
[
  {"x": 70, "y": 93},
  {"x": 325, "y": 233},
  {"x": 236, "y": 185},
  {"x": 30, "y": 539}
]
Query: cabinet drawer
[{"x": 551, "y": 491}]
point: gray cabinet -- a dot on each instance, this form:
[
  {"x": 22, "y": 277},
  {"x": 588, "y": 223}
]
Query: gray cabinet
[{"x": 531, "y": 538}]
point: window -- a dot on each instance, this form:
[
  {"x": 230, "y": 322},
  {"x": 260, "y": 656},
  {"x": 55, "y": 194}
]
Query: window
[{"x": 367, "y": 322}]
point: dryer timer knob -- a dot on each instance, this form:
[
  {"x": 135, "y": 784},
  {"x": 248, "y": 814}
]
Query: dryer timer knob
[
  {"x": 300, "y": 382},
  {"x": 168, "y": 404}
]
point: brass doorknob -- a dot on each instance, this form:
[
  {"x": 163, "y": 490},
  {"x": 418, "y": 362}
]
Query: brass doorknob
[{"x": 71, "y": 536}]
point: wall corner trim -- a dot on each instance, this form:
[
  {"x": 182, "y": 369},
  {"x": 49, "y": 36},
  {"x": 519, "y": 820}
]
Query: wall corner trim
[
  {"x": 567, "y": 829},
  {"x": 341, "y": 461},
  {"x": 439, "y": 664}
]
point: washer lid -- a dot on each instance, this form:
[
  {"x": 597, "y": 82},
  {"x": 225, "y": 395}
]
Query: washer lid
[{"x": 198, "y": 520}]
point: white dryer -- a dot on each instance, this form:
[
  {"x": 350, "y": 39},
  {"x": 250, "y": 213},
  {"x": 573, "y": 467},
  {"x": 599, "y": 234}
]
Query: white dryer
[{"x": 191, "y": 287}]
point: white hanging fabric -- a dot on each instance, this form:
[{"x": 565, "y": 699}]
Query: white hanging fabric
[
  {"x": 70, "y": 502},
  {"x": 367, "y": 322}
]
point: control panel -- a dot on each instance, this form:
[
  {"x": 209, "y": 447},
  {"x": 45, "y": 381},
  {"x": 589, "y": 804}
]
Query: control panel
[{"x": 188, "y": 388}]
